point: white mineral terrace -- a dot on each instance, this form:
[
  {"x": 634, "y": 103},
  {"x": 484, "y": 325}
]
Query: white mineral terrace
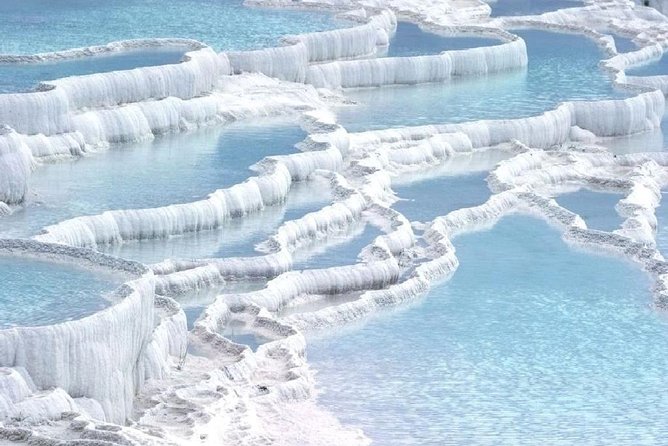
[{"x": 133, "y": 374}]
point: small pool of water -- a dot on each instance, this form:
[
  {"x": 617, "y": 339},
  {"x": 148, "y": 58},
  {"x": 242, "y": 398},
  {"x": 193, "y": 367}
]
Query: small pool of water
[
  {"x": 177, "y": 168},
  {"x": 338, "y": 249},
  {"x": 624, "y": 44},
  {"x": 555, "y": 74},
  {"x": 238, "y": 332},
  {"x": 529, "y": 7},
  {"x": 23, "y": 77},
  {"x": 411, "y": 40},
  {"x": 657, "y": 67},
  {"x": 597, "y": 209},
  {"x": 38, "y": 292},
  {"x": 195, "y": 302},
  {"x": 237, "y": 237},
  {"x": 530, "y": 342},
  {"x": 33, "y": 26},
  {"x": 426, "y": 199}
]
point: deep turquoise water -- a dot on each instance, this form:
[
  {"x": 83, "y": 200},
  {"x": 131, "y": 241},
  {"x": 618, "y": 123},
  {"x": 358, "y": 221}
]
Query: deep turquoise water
[
  {"x": 530, "y": 342},
  {"x": 561, "y": 67},
  {"x": 529, "y": 7},
  {"x": 657, "y": 67},
  {"x": 597, "y": 209},
  {"x": 32, "y": 26},
  {"x": 411, "y": 40},
  {"x": 26, "y": 76},
  {"x": 176, "y": 168},
  {"x": 38, "y": 292}
]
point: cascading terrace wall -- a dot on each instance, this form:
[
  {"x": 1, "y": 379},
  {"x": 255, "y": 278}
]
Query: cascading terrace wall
[{"x": 106, "y": 356}]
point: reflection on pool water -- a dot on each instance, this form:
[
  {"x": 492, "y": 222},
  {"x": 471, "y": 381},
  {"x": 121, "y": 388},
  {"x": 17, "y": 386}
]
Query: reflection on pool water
[
  {"x": 171, "y": 169},
  {"x": 530, "y": 342},
  {"x": 39, "y": 292}
]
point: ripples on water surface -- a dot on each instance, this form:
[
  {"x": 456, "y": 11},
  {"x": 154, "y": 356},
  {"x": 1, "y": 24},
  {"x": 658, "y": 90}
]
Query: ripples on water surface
[
  {"x": 37, "y": 292},
  {"x": 530, "y": 342},
  {"x": 32, "y": 26}
]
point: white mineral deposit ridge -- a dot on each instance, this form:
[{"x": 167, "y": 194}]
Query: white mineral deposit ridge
[{"x": 157, "y": 383}]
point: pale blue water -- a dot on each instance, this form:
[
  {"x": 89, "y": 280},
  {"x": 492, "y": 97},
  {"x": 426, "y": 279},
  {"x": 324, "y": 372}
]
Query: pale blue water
[
  {"x": 174, "y": 168},
  {"x": 411, "y": 40},
  {"x": 426, "y": 199},
  {"x": 529, "y": 343},
  {"x": 657, "y": 67},
  {"x": 32, "y": 26},
  {"x": 194, "y": 302},
  {"x": 529, "y": 7},
  {"x": 239, "y": 332},
  {"x": 597, "y": 209},
  {"x": 624, "y": 44},
  {"x": 561, "y": 67},
  {"x": 38, "y": 292},
  {"x": 337, "y": 250},
  {"x": 251, "y": 340},
  {"x": 653, "y": 141},
  {"x": 237, "y": 237},
  {"x": 22, "y": 77}
]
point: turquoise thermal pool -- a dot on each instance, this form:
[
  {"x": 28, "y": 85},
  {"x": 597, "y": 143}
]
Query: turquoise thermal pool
[{"x": 527, "y": 336}]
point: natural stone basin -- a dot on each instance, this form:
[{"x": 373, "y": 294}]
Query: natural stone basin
[
  {"x": 37, "y": 291},
  {"x": 21, "y": 77}
]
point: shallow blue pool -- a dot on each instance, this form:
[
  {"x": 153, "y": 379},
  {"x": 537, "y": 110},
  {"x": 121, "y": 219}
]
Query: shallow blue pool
[
  {"x": 658, "y": 67},
  {"x": 425, "y": 199},
  {"x": 555, "y": 73},
  {"x": 529, "y": 7},
  {"x": 597, "y": 209},
  {"x": 529, "y": 343},
  {"x": 662, "y": 226},
  {"x": 32, "y": 26},
  {"x": 172, "y": 169},
  {"x": 411, "y": 40},
  {"x": 23, "y": 77},
  {"x": 338, "y": 249},
  {"x": 37, "y": 292},
  {"x": 194, "y": 302},
  {"x": 237, "y": 237},
  {"x": 624, "y": 44}
]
